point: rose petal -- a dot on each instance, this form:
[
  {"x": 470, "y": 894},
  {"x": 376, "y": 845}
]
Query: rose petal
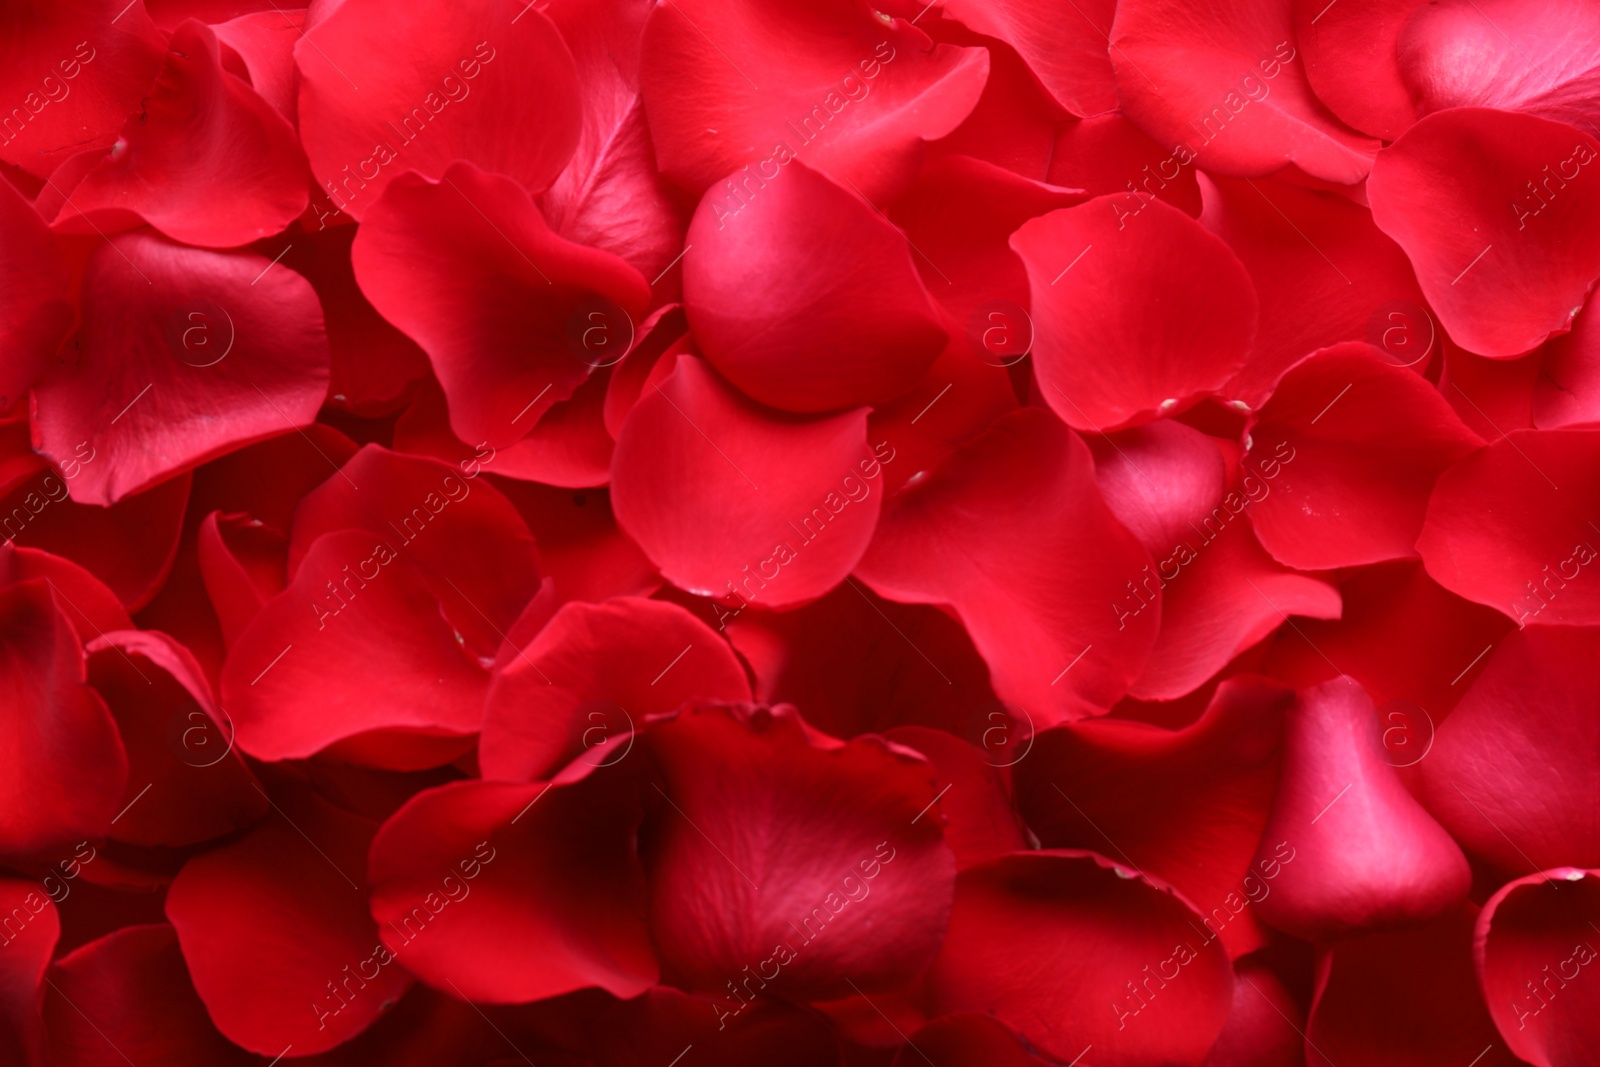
[
  {"x": 34, "y": 309},
  {"x": 1066, "y": 52},
  {"x": 27, "y": 947},
  {"x": 88, "y": 604},
  {"x": 1265, "y": 1027},
  {"x": 1349, "y": 53},
  {"x": 580, "y": 546},
  {"x": 1104, "y": 153},
  {"x": 170, "y": 337},
  {"x": 974, "y": 798}
]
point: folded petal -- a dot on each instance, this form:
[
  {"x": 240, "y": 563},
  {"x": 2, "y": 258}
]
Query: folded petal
[
  {"x": 852, "y": 92},
  {"x": 774, "y": 846},
  {"x": 355, "y": 655},
  {"x": 1505, "y": 527},
  {"x": 1507, "y": 771},
  {"x": 1047, "y": 940},
  {"x": 1532, "y": 941},
  {"x": 1365, "y": 853},
  {"x": 206, "y": 160},
  {"x": 809, "y": 301},
  {"x": 717, "y": 490},
  {"x": 499, "y": 912},
  {"x": 1223, "y": 81},
  {"x": 468, "y": 268},
  {"x": 1367, "y": 441},
  {"x": 128, "y": 994},
  {"x": 591, "y": 676},
  {"x": 1045, "y": 613},
  {"x": 383, "y": 92},
  {"x": 65, "y": 767},
  {"x": 170, "y": 337},
  {"x": 1137, "y": 309},
  {"x": 1187, "y": 806},
  {"x": 1503, "y": 234}
]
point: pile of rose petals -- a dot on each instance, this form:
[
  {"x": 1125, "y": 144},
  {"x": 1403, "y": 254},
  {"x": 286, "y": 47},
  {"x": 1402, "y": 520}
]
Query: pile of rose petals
[{"x": 678, "y": 533}]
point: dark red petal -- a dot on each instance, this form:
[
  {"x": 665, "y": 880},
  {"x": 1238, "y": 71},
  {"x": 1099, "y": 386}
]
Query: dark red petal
[
  {"x": 591, "y": 676},
  {"x": 1362, "y": 852},
  {"x": 855, "y": 663},
  {"x": 46, "y": 50},
  {"x": 276, "y": 933},
  {"x": 185, "y": 782},
  {"x": 356, "y": 655},
  {"x": 469, "y": 269},
  {"x": 467, "y": 541},
  {"x": 1407, "y": 997},
  {"x": 89, "y": 605},
  {"x": 1532, "y": 941},
  {"x": 967, "y": 1039},
  {"x": 34, "y": 310},
  {"x": 1499, "y": 530},
  {"x": 25, "y": 950},
  {"x": 242, "y": 564},
  {"x": 129, "y": 546},
  {"x": 1508, "y": 771},
  {"x": 796, "y": 496},
  {"x": 1503, "y": 266},
  {"x": 267, "y": 480},
  {"x": 1044, "y": 614},
  {"x": 1104, "y": 153},
  {"x": 127, "y": 998},
  {"x": 1358, "y": 443},
  {"x": 1076, "y": 953},
  {"x": 1412, "y": 645},
  {"x": 963, "y": 254},
  {"x": 65, "y": 767},
  {"x": 1265, "y": 1027},
  {"x": 205, "y": 160},
  {"x": 1220, "y": 593},
  {"x": 1455, "y": 54},
  {"x": 852, "y": 92},
  {"x": 781, "y": 847},
  {"x": 1067, "y": 52},
  {"x": 1187, "y": 805},
  {"x": 1138, "y": 310},
  {"x": 560, "y": 904},
  {"x": 580, "y": 546},
  {"x": 1349, "y": 53},
  {"x": 171, "y": 336},
  {"x": 385, "y": 91},
  {"x": 372, "y": 363},
  {"x": 809, "y": 301},
  {"x": 974, "y": 799},
  {"x": 1223, "y": 81},
  {"x": 1324, "y": 274}
]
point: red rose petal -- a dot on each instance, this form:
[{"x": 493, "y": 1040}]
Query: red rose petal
[
  {"x": 1066, "y": 52},
  {"x": 1189, "y": 806},
  {"x": 185, "y": 782},
  {"x": 34, "y": 311},
  {"x": 1349, "y": 53},
  {"x": 264, "y": 41},
  {"x": 1266, "y": 1026},
  {"x": 65, "y": 764},
  {"x": 1104, "y": 153},
  {"x": 1533, "y": 940},
  {"x": 242, "y": 565},
  {"x": 467, "y": 541},
  {"x": 206, "y": 160},
  {"x": 76, "y": 70},
  {"x": 1507, "y": 774},
  {"x": 25, "y": 951},
  {"x": 1324, "y": 274},
  {"x": 1500, "y": 532},
  {"x": 974, "y": 800},
  {"x": 780, "y": 492},
  {"x": 1366, "y": 441},
  {"x": 1043, "y": 614},
  {"x": 469, "y": 269},
  {"x": 171, "y": 336},
  {"x": 88, "y": 604},
  {"x": 1364, "y": 852},
  {"x": 128, "y": 995},
  {"x": 853, "y": 94},
  {"x": 1014, "y": 122},
  {"x": 354, "y": 654},
  {"x": 807, "y": 301},
  {"x": 1223, "y": 80},
  {"x": 275, "y": 930},
  {"x": 580, "y": 546},
  {"x": 591, "y": 676},
  {"x": 1047, "y": 940},
  {"x": 1567, "y": 389},
  {"x": 1406, "y": 997},
  {"x": 1138, "y": 310},
  {"x": 384, "y": 91},
  {"x": 1503, "y": 266},
  {"x": 784, "y": 847},
  {"x": 967, "y": 1039}
]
